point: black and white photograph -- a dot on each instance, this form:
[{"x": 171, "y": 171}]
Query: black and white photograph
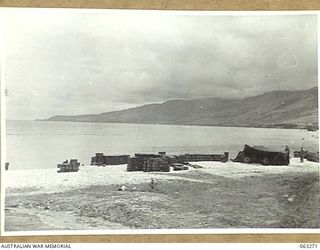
[{"x": 158, "y": 121}]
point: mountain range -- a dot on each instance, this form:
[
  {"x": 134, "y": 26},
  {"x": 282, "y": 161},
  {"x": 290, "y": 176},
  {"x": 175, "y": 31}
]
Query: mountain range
[{"x": 287, "y": 109}]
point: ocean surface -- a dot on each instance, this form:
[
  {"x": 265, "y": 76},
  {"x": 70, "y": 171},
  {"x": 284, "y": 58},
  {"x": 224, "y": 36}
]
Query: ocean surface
[{"x": 44, "y": 144}]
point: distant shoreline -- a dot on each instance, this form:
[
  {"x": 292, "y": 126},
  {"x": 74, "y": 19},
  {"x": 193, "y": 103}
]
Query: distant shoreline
[{"x": 275, "y": 126}]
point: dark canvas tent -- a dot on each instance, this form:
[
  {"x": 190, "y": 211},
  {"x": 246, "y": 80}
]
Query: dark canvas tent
[
  {"x": 262, "y": 155},
  {"x": 312, "y": 156}
]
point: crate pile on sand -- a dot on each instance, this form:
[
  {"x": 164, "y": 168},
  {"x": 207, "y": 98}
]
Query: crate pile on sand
[
  {"x": 102, "y": 160},
  {"x": 161, "y": 162},
  {"x": 73, "y": 166},
  {"x": 149, "y": 163},
  {"x": 203, "y": 157},
  {"x": 136, "y": 164}
]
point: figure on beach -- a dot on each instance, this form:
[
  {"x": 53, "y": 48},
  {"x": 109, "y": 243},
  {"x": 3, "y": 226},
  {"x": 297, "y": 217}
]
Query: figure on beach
[
  {"x": 301, "y": 155},
  {"x": 153, "y": 184},
  {"x": 287, "y": 150}
]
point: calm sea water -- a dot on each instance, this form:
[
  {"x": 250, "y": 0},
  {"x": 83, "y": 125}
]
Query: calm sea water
[{"x": 35, "y": 144}]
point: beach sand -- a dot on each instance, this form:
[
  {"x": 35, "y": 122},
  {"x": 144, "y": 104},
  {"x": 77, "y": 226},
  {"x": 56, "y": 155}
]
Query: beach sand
[{"x": 219, "y": 195}]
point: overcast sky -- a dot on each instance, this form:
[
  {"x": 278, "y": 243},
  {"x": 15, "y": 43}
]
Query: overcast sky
[{"x": 80, "y": 63}]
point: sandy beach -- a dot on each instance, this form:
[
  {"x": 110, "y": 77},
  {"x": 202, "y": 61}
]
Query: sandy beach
[{"x": 219, "y": 195}]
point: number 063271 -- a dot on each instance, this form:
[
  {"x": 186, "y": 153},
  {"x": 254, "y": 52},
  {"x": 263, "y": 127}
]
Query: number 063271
[{"x": 308, "y": 246}]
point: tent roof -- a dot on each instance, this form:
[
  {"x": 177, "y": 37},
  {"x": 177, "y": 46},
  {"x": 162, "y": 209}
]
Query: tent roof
[{"x": 263, "y": 148}]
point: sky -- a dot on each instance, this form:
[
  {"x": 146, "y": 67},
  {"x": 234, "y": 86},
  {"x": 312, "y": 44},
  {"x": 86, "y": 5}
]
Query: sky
[{"x": 67, "y": 62}]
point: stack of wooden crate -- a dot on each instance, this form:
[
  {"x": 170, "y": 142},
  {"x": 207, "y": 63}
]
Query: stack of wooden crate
[
  {"x": 157, "y": 165},
  {"x": 202, "y": 157},
  {"x": 161, "y": 162},
  {"x": 101, "y": 160},
  {"x": 136, "y": 164},
  {"x": 73, "y": 166},
  {"x": 98, "y": 159},
  {"x": 149, "y": 163},
  {"x": 116, "y": 159},
  {"x": 147, "y": 155}
]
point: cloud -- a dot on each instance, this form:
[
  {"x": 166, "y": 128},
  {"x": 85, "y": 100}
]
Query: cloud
[{"x": 65, "y": 63}]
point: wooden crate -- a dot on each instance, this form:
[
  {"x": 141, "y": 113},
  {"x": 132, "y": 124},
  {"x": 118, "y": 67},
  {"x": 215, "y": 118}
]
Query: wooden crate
[
  {"x": 116, "y": 159},
  {"x": 136, "y": 164},
  {"x": 157, "y": 165},
  {"x": 73, "y": 166}
]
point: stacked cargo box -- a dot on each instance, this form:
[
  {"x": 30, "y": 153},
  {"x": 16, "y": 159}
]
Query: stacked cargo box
[
  {"x": 136, "y": 164},
  {"x": 172, "y": 159},
  {"x": 147, "y": 155},
  {"x": 157, "y": 165},
  {"x": 116, "y": 159},
  {"x": 73, "y": 166},
  {"x": 202, "y": 157},
  {"x": 149, "y": 163},
  {"x": 102, "y": 160},
  {"x": 98, "y": 159},
  {"x": 161, "y": 162}
]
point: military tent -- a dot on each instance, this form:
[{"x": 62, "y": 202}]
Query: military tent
[{"x": 262, "y": 155}]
